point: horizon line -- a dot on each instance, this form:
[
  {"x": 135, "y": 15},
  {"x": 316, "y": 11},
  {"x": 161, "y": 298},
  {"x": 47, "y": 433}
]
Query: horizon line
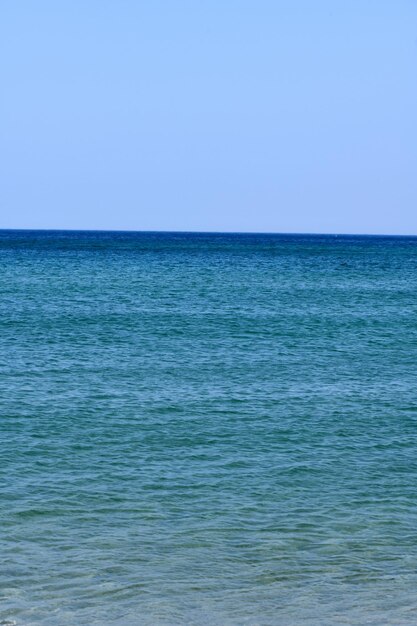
[{"x": 207, "y": 232}]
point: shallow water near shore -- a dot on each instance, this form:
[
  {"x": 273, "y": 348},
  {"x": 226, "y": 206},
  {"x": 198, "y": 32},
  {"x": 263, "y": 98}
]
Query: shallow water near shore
[{"x": 207, "y": 429}]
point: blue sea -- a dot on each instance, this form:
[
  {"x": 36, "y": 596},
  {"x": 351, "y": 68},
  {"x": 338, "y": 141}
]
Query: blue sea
[{"x": 207, "y": 429}]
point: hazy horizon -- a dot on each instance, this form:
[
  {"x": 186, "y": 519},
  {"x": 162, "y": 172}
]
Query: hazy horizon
[{"x": 210, "y": 232}]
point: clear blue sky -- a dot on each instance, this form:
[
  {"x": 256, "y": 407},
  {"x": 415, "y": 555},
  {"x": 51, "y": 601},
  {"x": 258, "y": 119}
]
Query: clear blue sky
[{"x": 234, "y": 115}]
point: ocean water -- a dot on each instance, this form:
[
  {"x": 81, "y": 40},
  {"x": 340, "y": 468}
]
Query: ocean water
[{"x": 207, "y": 430}]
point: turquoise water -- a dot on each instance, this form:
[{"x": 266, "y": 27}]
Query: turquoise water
[{"x": 207, "y": 429}]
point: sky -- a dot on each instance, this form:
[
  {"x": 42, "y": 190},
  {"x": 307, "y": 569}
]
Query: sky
[{"x": 209, "y": 115}]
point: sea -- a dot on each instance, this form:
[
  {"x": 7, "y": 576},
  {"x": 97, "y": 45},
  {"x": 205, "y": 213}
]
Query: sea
[{"x": 207, "y": 429}]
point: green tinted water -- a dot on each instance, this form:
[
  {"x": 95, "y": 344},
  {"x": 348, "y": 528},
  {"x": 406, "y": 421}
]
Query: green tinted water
[{"x": 207, "y": 429}]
